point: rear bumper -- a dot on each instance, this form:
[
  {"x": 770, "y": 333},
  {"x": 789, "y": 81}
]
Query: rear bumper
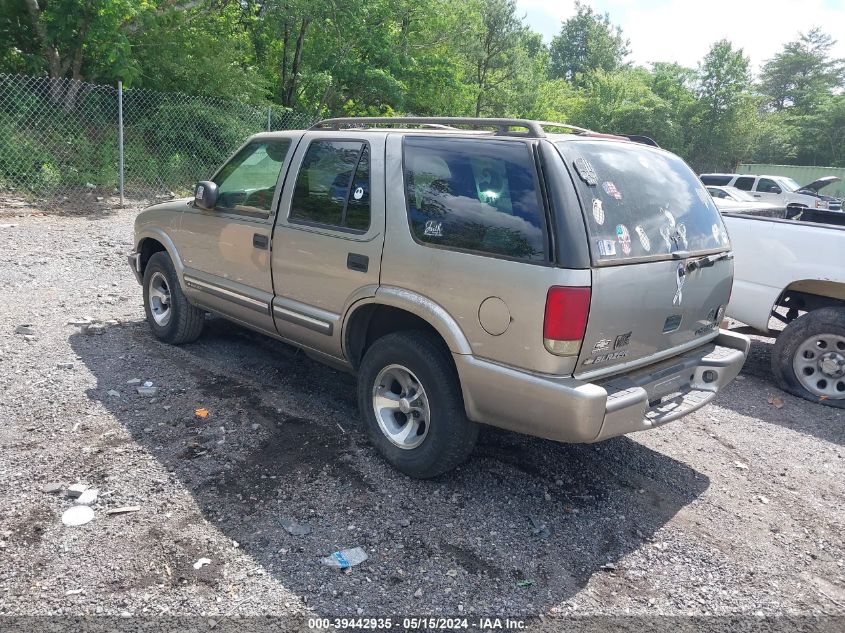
[
  {"x": 135, "y": 264},
  {"x": 569, "y": 410}
]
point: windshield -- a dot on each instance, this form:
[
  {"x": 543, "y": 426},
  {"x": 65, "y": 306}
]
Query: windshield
[
  {"x": 739, "y": 194},
  {"x": 641, "y": 202},
  {"x": 791, "y": 185}
]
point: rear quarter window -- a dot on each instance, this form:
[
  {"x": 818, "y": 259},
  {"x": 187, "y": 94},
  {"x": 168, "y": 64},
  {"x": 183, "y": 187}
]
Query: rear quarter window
[
  {"x": 480, "y": 196},
  {"x": 641, "y": 203}
]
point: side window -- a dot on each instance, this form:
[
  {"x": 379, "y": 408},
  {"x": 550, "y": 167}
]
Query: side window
[
  {"x": 333, "y": 186},
  {"x": 474, "y": 195},
  {"x": 717, "y": 193},
  {"x": 247, "y": 182},
  {"x": 744, "y": 182},
  {"x": 766, "y": 185}
]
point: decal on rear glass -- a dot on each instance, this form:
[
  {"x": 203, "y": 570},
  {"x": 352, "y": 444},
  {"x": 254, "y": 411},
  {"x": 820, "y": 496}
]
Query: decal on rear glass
[
  {"x": 611, "y": 190},
  {"x": 644, "y": 240},
  {"x": 433, "y": 228},
  {"x": 598, "y": 211},
  {"x": 725, "y": 239},
  {"x": 586, "y": 172},
  {"x": 624, "y": 238},
  {"x": 669, "y": 217},
  {"x": 359, "y": 193},
  {"x": 715, "y": 230},
  {"x": 607, "y": 248}
]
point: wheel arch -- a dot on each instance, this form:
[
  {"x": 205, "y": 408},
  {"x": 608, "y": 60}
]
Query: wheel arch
[
  {"x": 154, "y": 241},
  {"x": 393, "y": 310}
]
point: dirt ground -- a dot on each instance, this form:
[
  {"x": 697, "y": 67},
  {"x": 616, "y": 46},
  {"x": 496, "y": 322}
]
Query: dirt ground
[{"x": 735, "y": 510}]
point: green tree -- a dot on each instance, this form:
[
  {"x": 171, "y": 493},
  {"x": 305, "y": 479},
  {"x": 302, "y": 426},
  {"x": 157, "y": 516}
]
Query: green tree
[
  {"x": 724, "y": 118},
  {"x": 587, "y": 41},
  {"x": 803, "y": 74}
]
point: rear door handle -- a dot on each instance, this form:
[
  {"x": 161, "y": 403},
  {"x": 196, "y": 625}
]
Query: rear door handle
[
  {"x": 354, "y": 261},
  {"x": 260, "y": 241}
]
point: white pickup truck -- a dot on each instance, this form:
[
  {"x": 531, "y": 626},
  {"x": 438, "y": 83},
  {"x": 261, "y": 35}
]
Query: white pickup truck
[{"x": 790, "y": 266}]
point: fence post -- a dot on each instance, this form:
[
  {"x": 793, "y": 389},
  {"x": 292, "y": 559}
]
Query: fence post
[
  {"x": 120, "y": 134},
  {"x": 269, "y": 115}
]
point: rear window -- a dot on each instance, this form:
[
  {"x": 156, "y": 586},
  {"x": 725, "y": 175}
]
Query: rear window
[
  {"x": 475, "y": 195},
  {"x": 745, "y": 183},
  {"x": 641, "y": 203},
  {"x": 719, "y": 181}
]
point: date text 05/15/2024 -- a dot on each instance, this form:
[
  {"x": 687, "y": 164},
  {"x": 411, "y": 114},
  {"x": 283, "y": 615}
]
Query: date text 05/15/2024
[{"x": 416, "y": 624}]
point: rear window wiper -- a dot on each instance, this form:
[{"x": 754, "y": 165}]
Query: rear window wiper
[{"x": 705, "y": 261}]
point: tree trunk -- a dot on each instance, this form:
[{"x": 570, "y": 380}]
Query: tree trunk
[{"x": 297, "y": 62}]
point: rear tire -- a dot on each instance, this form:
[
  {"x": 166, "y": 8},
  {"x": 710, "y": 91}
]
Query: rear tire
[
  {"x": 808, "y": 358},
  {"x": 409, "y": 395},
  {"x": 170, "y": 316}
]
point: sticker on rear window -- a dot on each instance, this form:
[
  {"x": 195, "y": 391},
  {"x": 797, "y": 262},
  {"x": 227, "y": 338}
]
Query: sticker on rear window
[
  {"x": 715, "y": 230},
  {"x": 611, "y": 190},
  {"x": 669, "y": 217},
  {"x": 725, "y": 239},
  {"x": 433, "y": 228},
  {"x": 586, "y": 172},
  {"x": 607, "y": 248},
  {"x": 644, "y": 240},
  {"x": 598, "y": 211},
  {"x": 624, "y": 238},
  {"x": 681, "y": 232}
]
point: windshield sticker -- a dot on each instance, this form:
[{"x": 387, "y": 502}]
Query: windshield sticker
[
  {"x": 598, "y": 211},
  {"x": 624, "y": 238},
  {"x": 607, "y": 248},
  {"x": 359, "y": 193},
  {"x": 669, "y": 217},
  {"x": 646, "y": 243},
  {"x": 611, "y": 190},
  {"x": 586, "y": 172},
  {"x": 433, "y": 228}
]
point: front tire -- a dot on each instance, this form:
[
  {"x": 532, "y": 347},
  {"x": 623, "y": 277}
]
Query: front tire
[
  {"x": 410, "y": 398},
  {"x": 170, "y": 316},
  {"x": 808, "y": 358}
]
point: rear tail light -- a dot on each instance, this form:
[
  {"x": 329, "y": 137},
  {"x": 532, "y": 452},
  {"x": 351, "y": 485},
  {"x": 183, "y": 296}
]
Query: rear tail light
[
  {"x": 819, "y": 203},
  {"x": 565, "y": 322}
]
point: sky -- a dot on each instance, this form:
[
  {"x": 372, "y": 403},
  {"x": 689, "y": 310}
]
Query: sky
[{"x": 682, "y": 30}]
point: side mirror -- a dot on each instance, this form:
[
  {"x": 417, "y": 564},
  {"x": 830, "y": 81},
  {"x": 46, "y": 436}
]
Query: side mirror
[
  {"x": 775, "y": 190},
  {"x": 205, "y": 195}
]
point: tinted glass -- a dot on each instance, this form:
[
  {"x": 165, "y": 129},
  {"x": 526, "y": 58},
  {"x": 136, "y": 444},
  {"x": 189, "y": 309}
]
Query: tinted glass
[
  {"x": 766, "y": 185},
  {"x": 333, "y": 185},
  {"x": 717, "y": 193},
  {"x": 474, "y": 195},
  {"x": 644, "y": 203},
  {"x": 745, "y": 183},
  {"x": 247, "y": 182},
  {"x": 719, "y": 181}
]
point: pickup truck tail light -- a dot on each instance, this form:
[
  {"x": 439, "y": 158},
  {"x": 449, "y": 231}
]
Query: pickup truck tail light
[{"x": 567, "y": 310}]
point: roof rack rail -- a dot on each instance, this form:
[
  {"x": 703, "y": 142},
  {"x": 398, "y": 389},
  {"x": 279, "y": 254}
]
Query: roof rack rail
[{"x": 502, "y": 127}]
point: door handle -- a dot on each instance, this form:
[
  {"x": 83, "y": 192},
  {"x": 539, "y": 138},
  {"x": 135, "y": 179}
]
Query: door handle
[
  {"x": 756, "y": 195},
  {"x": 260, "y": 241},
  {"x": 354, "y": 261}
]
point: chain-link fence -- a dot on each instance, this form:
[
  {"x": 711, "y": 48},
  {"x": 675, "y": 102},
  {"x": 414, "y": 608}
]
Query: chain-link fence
[{"x": 60, "y": 139}]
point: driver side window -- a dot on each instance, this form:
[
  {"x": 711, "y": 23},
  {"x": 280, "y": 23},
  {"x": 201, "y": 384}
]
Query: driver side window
[{"x": 247, "y": 182}]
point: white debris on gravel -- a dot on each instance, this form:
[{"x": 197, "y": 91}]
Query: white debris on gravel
[{"x": 77, "y": 515}]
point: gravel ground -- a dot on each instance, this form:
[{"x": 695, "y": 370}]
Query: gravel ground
[{"x": 735, "y": 510}]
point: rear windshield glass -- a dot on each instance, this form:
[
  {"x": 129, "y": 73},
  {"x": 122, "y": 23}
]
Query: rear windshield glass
[{"x": 640, "y": 202}]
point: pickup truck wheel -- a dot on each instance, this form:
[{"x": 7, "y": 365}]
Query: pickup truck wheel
[
  {"x": 171, "y": 318},
  {"x": 808, "y": 358},
  {"x": 410, "y": 397}
]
